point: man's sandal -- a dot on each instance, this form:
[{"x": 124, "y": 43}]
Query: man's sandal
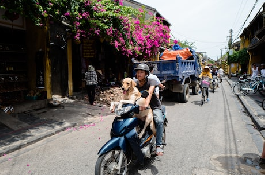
[{"x": 159, "y": 150}]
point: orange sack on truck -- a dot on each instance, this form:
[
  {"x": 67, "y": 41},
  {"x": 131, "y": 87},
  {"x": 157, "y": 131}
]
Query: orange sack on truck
[{"x": 172, "y": 55}]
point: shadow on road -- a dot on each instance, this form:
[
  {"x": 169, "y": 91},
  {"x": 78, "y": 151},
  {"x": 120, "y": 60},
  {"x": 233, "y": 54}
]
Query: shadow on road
[
  {"x": 198, "y": 103},
  {"x": 148, "y": 165},
  {"x": 248, "y": 163}
]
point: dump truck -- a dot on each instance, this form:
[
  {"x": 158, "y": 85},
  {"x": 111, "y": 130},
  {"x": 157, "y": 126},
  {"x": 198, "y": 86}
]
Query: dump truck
[{"x": 179, "y": 70}]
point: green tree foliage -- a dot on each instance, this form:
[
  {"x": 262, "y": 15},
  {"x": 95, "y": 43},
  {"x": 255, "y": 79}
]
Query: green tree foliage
[
  {"x": 241, "y": 57},
  {"x": 186, "y": 43},
  {"x": 183, "y": 44},
  {"x": 233, "y": 58}
]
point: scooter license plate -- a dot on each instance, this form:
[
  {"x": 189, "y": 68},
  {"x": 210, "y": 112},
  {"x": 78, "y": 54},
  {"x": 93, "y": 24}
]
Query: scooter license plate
[{"x": 120, "y": 120}]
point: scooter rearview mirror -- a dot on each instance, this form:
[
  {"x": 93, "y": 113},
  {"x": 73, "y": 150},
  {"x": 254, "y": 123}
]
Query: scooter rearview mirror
[{"x": 144, "y": 94}]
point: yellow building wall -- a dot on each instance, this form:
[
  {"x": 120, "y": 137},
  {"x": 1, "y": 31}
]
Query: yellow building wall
[
  {"x": 235, "y": 68},
  {"x": 254, "y": 58},
  {"x": 70, "y": 67},
  {"x": 36, "y": 38},
  {"x": 244, "y": 42}
]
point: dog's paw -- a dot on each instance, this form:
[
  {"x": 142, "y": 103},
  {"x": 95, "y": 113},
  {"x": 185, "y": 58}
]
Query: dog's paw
[
  {"x": 119, "y": 106},
  {"x": 112, "y": 109}
]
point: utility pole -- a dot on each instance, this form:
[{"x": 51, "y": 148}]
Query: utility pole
[{"x": 229, "y": 47}]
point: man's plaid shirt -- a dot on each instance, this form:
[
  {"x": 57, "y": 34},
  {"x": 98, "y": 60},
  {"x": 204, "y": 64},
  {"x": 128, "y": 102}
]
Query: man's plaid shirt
[{"x": 91, "y": 77}]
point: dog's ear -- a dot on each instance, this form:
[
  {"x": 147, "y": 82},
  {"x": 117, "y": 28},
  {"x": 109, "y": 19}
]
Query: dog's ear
[{"x": 133, "y": 84}]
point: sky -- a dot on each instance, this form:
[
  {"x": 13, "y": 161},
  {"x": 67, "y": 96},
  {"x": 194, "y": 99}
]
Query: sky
[{"x": 206, "y": 22}]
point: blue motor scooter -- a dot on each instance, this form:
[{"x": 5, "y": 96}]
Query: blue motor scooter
[{"x": 116, "y": 155}]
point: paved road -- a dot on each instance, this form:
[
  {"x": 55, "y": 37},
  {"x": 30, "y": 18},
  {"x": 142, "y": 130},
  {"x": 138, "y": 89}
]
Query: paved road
[{"x": 217, "y": 138}]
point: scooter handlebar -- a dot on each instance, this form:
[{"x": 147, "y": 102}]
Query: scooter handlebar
[{"x": 134, "y": 110}]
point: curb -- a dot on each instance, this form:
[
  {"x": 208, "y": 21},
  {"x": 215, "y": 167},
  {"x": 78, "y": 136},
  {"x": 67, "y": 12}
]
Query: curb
[
  {"x": 256, "y": 115},
  {"x": 31, "y": 140}
]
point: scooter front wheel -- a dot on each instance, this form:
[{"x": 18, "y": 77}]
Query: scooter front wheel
[{"x": 108, "y": 163}]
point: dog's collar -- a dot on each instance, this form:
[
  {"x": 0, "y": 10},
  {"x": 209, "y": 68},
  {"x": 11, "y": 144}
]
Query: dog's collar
[{"x": 137, "y": 99}]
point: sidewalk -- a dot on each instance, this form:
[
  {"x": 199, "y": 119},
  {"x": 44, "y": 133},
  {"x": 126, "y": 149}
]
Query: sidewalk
[
  {"x": 32, "y": 126},
  {"x": 252, "y": 102}
]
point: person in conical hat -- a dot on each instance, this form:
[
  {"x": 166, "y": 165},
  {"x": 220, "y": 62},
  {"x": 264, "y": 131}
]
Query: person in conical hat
[{"x": 206, "y": 73}]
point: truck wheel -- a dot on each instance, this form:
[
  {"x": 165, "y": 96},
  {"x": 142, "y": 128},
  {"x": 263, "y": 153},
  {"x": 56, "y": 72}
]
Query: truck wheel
[
  {"x": 195, "y": 89},
  {"x": 176, "y": 96},
  {"x": 183, "y": 97}
]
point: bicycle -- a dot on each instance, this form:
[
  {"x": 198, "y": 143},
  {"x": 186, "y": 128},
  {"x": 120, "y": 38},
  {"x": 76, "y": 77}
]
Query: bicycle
[
  {"x": 240, "y": 87},
  {"x": 245, "y": 86},
  {"x": 204, "y": 85},
  {"x": 214, "y": 83},
  {"x": 256, "y": 84},
  {"x": 262, "y": 83}
]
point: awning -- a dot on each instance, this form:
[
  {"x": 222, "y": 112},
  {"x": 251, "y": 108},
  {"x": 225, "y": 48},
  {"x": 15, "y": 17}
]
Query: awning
[{"x": 260, "y": 43}]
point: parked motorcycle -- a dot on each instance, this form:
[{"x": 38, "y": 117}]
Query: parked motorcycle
[
  {"x": 116, "y": 155},
  {"x": 214, "y": 83}
]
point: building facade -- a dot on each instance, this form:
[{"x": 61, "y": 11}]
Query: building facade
[{"x": 253, "y": 38}]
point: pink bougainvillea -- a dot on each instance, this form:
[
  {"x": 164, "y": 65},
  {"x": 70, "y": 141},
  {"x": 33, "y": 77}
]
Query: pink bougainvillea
[{"x": 124, "y": 27}]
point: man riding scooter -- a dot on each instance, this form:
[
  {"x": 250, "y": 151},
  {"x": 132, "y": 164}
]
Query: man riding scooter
[
  {"x": 215, "y": 75},
  {"x": 149, "y": 84}
]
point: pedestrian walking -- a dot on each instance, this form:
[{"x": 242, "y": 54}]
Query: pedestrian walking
[
  {"x": 91, "y": 83},
  {"x": 255, "y": 71},
  {"x": 220, "y": 74}
]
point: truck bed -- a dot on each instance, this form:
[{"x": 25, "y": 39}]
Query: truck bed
[{"x": 174, "y": 69}]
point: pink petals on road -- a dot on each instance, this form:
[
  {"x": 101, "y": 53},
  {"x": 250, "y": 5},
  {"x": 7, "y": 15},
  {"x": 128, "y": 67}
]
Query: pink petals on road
[
  {"x": 84, "y": 126},
  {"x": 81, "y": 127}
]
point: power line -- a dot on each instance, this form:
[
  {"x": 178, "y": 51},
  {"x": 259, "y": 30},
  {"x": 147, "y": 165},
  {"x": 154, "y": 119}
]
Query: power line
[
  {"x": 240, "y": 12},
  {"x": 194, "y": 39},
  {"x": 237, "y": 13},
  {"x": 212, "y": 47},
  {"x": 246, "y": 20}
]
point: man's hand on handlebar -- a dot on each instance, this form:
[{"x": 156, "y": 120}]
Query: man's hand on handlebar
[{"x": 162, "y": 87}]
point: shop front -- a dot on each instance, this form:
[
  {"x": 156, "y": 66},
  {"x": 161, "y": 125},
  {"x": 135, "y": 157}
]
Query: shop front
[
  {"x": 13, "y": 65},
  {"x": 21, "y": 64},
  {"x": 110, "y": 65}
]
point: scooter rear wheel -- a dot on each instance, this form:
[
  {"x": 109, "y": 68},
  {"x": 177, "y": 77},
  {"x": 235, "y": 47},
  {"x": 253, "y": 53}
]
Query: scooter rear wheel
[{"x": 107, "y": 163}]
